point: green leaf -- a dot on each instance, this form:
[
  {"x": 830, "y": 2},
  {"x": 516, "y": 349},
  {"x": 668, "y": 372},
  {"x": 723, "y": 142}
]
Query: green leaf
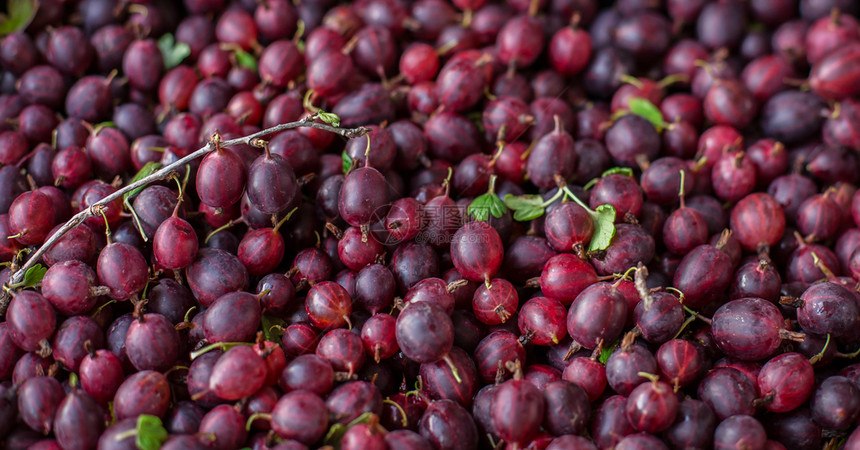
[
  {"x": 34, "y": 275},
  {"x": 525, "y": 207},
  {"x": 19, "y": 14},
  {"x": 605, "y": 352},
  {"x": 526, "y": 214},
  {"x": 523, "y": 201},
  {"x": 336, "y": 432},
  {"x": 347, "y": 162},
  {"x": 150, "y": 432},
  {"x": 273, "y": 328},
  {"x": 145, "y": 171},
  {"x": 604, "y": 228},
  {"x": 647, "y": 110},
  {"x": 173, "y": 53},
  {"x": 484, "y": 205},
  {"x": 618, "y": 170},
  {"x": 245, "y": 59},
  {"x": 329, "y": 118}
]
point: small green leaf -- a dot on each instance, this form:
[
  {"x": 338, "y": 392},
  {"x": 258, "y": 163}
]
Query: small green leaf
[
  {"x": 245, "y": 59},
  {"x": 145, "y": 171},
  {"x": 618, "y": 170},
  {"x": 525, "y": 207},
  {"x": 19, "y": 14},
  {"x": 273, "y": 328},
  {"x": 605, "y": 352},
  {"x": 347, "y": 162},
  {"x": 484, "y": 205},
  {"x": 604, "y": 228},
  {"x": 150, "y": 432},
  {"x": 329, "y": 118},
  {"x": 34, "y": 275},
  {"x": 523, "y": 201},
  {"x": 173, "y": 53},
  {"x": 647, "y": 110},
  {"x": 529, "y": 213},
  {"x": 336, "y": 432}
]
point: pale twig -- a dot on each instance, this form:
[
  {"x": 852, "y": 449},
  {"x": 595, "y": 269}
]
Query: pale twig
[{"x": 162, "y": 174}]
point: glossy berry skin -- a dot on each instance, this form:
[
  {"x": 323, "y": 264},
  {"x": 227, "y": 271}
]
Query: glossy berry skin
[
  {"x": 568, "y": 227},
  {"x": 702, "y": 275},
  {"x": 357, "y": 250},
  {"x": 680, "y": 362},
  {"x": 174, "y": 245},
  {"x": 546, "y": 318},
  {"x": 300, "y": 415},
  {"x": 495, "y": 303},
  {"x": 517, "y": 410},
  {"x": 569, "y": 50},
  {"x": 433, "y": 290},
  {"x": 271, "y": 184},
  {"x": 756, "y": 279},
  {"x": 828, "y": 308},
  {"x": 363, "y": 197},
  {"x": 152, "y": 343},
  {"x": 424, "y": 332},
  {"x": 440, "y": 382},
  {"x": 477, "y": 251},
  {"x": 748, "y": 328},
  {"x": 145, "y": 392},
  {"x": 733, "y": 177},
  {"x": 565, "y": 276},
  {"x": 140, "y": 64},
  {"x": 419, "y": 63},
  {"x": 38, "y": 400},
  {"x": 234, "y": 317},
  {"x": 377, "y": 334},
  {"x": 101, "y": 374},
  {"x": 552, "y": 155},
  {"x": 727, "y": 391},
  {"x": 123, "y": 269},
  {"x": 818, "y": 217},
  {"x": 519, "y": 41},
  {"x": 214, "y": 273},
  {"x": 239, "y": 372},
  {"x": 740, "y": 431},
  {"x": 447, "y": 425},
  {"x": 835, "y": 76},
  {"x": 652, "y": 407},
  {"x": 328, "y": 304},
  {"x": 835, "y": 404},
  {"x": 598, "y": 313},
  {"x": 610, "y": 424},
  {"x": 220, "y": 179},
  {"x": 261, "y": 250},
  {"x": 31, "y": 320},
  {"x": 32, "y": 216},
  {"x": 69, "y": 285},
  {"x": 343, "y": 349},
  {"x": 787, "y": 381},
  {"x": 729, "y": 102},
  {"x": 684, "y": 230},
  {"x": 662, "y": 320},
  {"x": 79, "y": 421}
]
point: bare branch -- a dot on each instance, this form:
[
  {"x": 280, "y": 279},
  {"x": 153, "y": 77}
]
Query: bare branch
[{"x": 162, "y": 174}]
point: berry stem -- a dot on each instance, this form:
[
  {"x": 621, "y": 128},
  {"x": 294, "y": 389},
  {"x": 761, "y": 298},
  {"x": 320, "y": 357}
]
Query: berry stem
[{"x": 162, "y": 174}]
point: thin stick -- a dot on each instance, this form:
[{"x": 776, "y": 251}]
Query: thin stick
[{"x": 162, "y": 174}]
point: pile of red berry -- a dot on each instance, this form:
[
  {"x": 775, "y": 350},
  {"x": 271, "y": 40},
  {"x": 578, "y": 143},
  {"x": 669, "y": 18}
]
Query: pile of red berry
[{"x": 430, "y": 224}]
